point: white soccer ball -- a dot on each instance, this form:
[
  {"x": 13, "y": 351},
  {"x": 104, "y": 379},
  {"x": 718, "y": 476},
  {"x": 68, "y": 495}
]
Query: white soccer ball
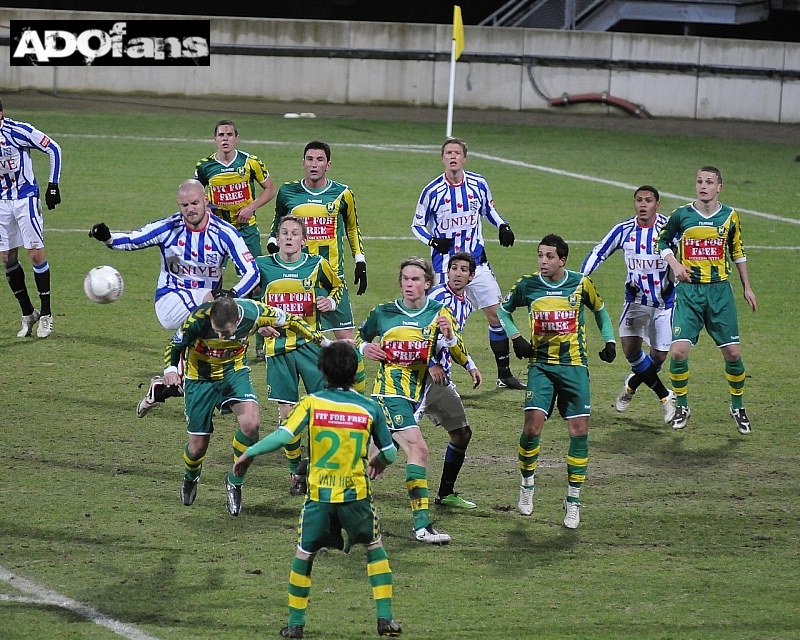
[{"x": 103, "y": 285}]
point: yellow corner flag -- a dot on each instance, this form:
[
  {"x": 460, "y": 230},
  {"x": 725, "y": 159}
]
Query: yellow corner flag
[{"x": 458, "y": 31}]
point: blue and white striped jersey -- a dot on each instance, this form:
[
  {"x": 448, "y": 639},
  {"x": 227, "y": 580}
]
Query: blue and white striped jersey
[
  {"x": 17, "y": 179},
  {"x": 455, "y": 211},
  {"x": 192, "y": 259},
  {"x": 649, "y": 281},
  {"x": 461, "y": 308}
]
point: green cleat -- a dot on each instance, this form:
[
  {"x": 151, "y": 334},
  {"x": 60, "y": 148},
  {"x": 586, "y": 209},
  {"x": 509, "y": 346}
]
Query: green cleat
[{"x": 455, "y": 500}]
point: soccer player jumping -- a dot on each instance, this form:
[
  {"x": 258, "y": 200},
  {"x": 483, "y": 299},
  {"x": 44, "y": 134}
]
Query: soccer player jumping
[{"x": 449, "y": 218}]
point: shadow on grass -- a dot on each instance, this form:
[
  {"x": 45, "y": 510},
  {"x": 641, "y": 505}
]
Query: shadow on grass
[{"x": 661, "y": 446}]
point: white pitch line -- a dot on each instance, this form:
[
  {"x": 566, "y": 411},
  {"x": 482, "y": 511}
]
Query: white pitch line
[
  {"x": 422, "y": 148},
  {"x": 45, "y": 596}
]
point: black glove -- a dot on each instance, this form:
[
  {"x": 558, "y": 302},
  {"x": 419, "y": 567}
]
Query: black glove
[
  {"x": 272, "y": 246},
  {"x": 223, "y": 293},
  {"x": 522, "y": 348},
  {"x": 609, "y": 352},
  {"x": 506, "y": 236},
  {"x": 360, "y": 277},
  {"x": 52, "y": 196},
  {"x": 442, "y": 245},
  {"x": 100, "y": 232}
]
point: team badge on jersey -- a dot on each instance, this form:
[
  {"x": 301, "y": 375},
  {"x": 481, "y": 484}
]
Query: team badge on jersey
[
  {"x": 307, "y": 284},
  {"x": 212, "y": 258},
  {"x": 331, "y": 207},
  {"x": 573, "y": 300},
  {"x": 721, "y": 231}
]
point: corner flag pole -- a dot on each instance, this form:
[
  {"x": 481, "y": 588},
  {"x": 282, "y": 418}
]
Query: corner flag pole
[{"x": 455, "y": 53}]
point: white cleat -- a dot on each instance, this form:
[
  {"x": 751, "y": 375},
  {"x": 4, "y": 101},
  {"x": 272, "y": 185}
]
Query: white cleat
[
  {"x": 27, "y": 324},
  {"x": 668, "y": 406},
  {"x": 625, "y": 396},
  {"x": 45, "y": 327},
  {"x": 430, "y": 535},
  {"x": 681, "y": 417},
  {"x": 525, "y": 504},
  {"x": 572, "y": 517}
]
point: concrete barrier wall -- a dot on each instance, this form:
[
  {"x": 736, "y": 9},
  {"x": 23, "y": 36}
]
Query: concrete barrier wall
[{"x": 479, "y": 85}]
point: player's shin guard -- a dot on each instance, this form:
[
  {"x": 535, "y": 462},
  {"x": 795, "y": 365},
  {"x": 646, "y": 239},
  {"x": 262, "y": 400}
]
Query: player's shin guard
[
  {"x": 498, "y": 342},
  {"x": 15, "y": 276},
  {"x": 380, "y": 579},
  {"x": 299, "y": 588},
  {"x": 734, "y": 372},
  {"x": 528, "y": 456},
  {"x": 360, "y": 382},
  {"x": 192, "y": 467},
  {"x": 293, "y": 451},
  {"x": 453, "y": 461},
  {"x": 417, "y": 486},
  {"x": 240, "y": 443},
  {"x": 577, "y": 461},
  {"x": 41, "y": 274},
  {"x": 679, "y": 377}
]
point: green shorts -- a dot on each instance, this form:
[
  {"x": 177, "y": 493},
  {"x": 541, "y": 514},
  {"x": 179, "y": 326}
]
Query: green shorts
[
  {"x": 566, "y": 383},
  {"x": 341, "y": 317},
  {"x": 705, "y": 305},
  {"x": 201, "y": 397},
  {"x": 252, "y": 238},
  {"x": 322, "y": 523},
  {"x": 399, "y": 412},
  {"x": 285, "y": 371}
]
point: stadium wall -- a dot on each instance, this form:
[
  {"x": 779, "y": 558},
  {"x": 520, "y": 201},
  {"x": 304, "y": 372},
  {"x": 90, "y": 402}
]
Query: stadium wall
[{"x": 763, "y": 82}]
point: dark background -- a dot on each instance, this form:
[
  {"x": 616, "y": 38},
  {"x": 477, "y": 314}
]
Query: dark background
[{"x": 782, "y": 26}]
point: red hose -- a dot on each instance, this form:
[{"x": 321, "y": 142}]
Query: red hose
[{"x": 602, "y": 98}]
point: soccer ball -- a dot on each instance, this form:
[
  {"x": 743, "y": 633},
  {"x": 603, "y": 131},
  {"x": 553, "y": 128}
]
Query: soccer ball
[{"x": 103, "y": 285}]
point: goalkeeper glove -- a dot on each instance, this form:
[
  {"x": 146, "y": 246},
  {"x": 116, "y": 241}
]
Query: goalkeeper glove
[
  {"x": 272, "y": 246},
  {"x": 609, "y": 352},
  {"x": 506, "y": 236},
  {"x": 52, "y": 196},
  {"x": 522, "y": 348},
  {"x": 100, "y": 232},
  {"x": 360, "y": 277},
  {"x": 442, "y": 245}
]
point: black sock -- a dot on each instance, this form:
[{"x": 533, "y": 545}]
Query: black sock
[
  {"x": 43, "y": 286},
  {"x": 453, "y": 461},
  {"x": 501, "y": 357},
  {"x": 635, "y": 382},
  {"x": 15, "y": 277},
  {"x": 651, "y": 379}
]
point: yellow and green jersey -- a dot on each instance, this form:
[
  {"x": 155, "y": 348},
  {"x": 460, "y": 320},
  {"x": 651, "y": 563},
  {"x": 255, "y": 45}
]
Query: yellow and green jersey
[
  {"x": 329, "y": 214},
  {"x": 705, "y": 244},
  {"x": 409, "y": 338},
  {"x": 208, "y": 357},
  {"x": 340, "y": 424},
  {"x": 555, "y": 315},
  {"x": 231, "y": 187},
  {"x": 295, "y": 288}
]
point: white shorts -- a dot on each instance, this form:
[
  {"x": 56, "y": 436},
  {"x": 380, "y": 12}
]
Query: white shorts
[
  {"x": 484, "y": 291},
  {"x": 173, "y": 308},
  {"x": 443, "y": 406},
  {"x": 654, "y": 326},
  {"x": 21, "y": 224}
]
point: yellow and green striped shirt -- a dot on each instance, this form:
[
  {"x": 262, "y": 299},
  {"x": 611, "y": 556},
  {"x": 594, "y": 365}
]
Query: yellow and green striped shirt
[
  {"x": 409, "y": 339},
  {"x": 705, "y": 244},
  {"x": 208, "y": 357}
]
